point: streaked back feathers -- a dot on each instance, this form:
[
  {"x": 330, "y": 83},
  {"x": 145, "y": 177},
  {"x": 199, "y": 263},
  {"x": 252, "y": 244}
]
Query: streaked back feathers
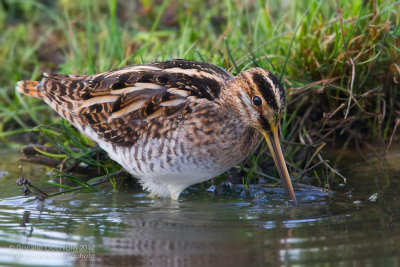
[{"x": 121, "y": 104}]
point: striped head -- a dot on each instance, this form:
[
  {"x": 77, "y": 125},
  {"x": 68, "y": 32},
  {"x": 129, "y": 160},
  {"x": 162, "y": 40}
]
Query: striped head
[{"x": 259, "y": 98}]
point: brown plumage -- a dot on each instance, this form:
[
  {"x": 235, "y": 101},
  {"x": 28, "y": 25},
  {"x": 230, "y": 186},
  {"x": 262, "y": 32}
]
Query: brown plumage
[{"x": 171, "y": 124}]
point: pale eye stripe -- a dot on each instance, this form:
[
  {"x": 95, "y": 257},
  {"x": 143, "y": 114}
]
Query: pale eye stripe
[
  {"x": 99, "y": 100},
  {"x": 245, "y": 99},
  {"x": 174, "y": 102},
  {"x": 277, "y": 95},
  {"x": 271, "y": 83},
  {"x": 137, "y": 87},
  {"x": 128, "y": 109}
]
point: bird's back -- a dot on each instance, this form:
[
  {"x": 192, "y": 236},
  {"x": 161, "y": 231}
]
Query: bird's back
[
  {"x": 157, "y": 120},
  {"x": 122, "y": 104}
]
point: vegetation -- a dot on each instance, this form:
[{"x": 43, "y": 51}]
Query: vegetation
[{"x": 339, "y": 61}]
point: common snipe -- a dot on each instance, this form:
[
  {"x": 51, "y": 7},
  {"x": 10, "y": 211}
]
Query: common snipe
[{"x": 172, "y": 124}]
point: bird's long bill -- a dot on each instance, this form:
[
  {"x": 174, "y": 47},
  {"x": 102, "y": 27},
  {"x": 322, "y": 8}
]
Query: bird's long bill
[{"x": 276, "y": 151}]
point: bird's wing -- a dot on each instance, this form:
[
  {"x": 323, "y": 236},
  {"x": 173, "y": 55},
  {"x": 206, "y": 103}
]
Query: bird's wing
[{"x": 123, "y": 104}]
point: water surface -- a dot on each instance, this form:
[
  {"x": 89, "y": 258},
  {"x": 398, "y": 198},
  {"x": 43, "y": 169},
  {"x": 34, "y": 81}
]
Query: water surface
[{"x": 124, "y": 228}]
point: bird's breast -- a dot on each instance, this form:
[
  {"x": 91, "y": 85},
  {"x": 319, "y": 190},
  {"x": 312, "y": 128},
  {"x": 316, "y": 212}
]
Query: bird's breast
[{"x": 194, "y": 150}]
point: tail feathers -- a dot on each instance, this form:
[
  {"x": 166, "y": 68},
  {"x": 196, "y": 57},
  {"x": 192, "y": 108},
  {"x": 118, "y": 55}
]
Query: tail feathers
[{"x": 31, "y": 88}]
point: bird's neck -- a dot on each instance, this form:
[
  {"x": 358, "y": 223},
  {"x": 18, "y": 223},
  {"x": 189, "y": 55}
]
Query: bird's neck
[{"x": 239, "y": 132}]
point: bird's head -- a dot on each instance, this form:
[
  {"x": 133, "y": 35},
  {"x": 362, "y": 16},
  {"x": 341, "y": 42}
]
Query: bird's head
[{"x": 258, "y": 97}]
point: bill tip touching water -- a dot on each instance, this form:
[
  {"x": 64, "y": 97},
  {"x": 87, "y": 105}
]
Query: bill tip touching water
[{"x": 172, "y": 124}]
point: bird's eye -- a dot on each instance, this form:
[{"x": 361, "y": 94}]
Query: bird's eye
[{"x": 257, "y": 101}]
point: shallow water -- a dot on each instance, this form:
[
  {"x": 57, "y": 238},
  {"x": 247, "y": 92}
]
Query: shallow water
[{"x": 203, "y": 229}]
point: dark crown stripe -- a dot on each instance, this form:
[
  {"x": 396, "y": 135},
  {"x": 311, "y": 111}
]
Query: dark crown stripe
[
  {"x": 266, "y": 90},
  {"x": 280, "y": 88}
]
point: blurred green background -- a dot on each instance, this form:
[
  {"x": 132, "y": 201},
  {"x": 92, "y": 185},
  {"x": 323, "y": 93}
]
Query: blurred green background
[{"x": 339, "y": 57}]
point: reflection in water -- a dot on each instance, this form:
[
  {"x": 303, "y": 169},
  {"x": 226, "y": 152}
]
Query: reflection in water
[{"x": 127, "y": 228}]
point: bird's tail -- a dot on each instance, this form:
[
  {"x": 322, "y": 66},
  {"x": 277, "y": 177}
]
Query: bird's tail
[{"x": 32, "y": 88}]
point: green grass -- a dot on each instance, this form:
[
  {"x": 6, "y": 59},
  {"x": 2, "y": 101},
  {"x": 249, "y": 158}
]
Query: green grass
[{"x": 339, "y": 60}]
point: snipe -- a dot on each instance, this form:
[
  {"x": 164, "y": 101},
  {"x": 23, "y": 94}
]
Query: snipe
[{"x": 172, "y": 124}]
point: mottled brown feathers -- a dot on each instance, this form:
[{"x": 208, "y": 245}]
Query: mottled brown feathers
[
  {"x": 125, "y": 104},
  {"x": 170, "y": 124},
  {"x": 121, "y": 104}
]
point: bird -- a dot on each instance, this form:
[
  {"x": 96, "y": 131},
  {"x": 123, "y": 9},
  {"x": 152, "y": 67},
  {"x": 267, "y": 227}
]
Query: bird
[{"x": 172, "y": 124}]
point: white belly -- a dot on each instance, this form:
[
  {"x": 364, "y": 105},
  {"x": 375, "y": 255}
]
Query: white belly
[{"x": 166, "y": 172}]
